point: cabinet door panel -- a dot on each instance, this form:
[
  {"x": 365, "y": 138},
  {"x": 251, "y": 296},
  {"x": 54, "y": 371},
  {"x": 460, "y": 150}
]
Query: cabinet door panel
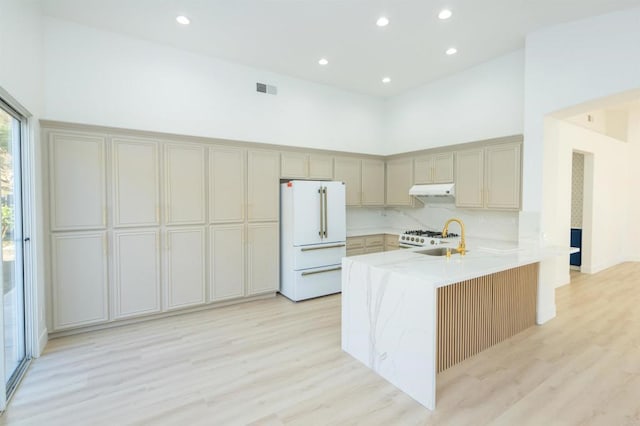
[
  {"x": 136, "y": 273},
  {"x": 184, "y": 184},
  {"x": 77, "y": 181},
  {"x": 372, "y": 182},
  {"x": 443, "y": 167},
  {"x": 227, "y": 187},
  {"x": 320, "y": 166},
  {"x": 227, "y": 262},
  {"x": 423, "y": 170},
  {"x": 135, "y": 183},
  {"x": 263, "y": 189},
  {"x": 399, "y": 181},
  {"x": 469, "y": 178},
  {"x": 79, "y": 279},
  {"x": 185, "y": 263},
  {"x": 263, "y": 258},
  {"x": 348, "y": 171},
  {"x": 503, "y": 176},
  {"x": 294, "y": 165}
]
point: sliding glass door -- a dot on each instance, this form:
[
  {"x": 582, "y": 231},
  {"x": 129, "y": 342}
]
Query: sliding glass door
[{"x": 11, "y": 255}]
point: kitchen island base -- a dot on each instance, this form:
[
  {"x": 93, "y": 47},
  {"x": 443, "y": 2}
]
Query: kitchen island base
[{"x": 407, "y": 328}]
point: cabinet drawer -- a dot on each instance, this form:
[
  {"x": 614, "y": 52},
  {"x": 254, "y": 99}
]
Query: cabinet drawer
[
  {"x": 312, "y": 256},
  {"x": 390, "y": 240},
  {"x": 355, "y": 243},
  {"x": 355, "y": 252},
  {"x": 375, "y": 249},
  {"x": 374, "y": 241}
]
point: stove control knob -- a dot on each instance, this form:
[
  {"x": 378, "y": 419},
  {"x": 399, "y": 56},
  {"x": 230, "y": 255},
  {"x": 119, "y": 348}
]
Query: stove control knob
[
  {"x": 413, "y": 239},
  {"x": 422, "y": 240},
  {"x": 433, "y": 242}
]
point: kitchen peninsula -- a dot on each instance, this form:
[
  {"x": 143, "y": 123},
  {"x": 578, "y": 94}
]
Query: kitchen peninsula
[{"x": 408, "y": 315}]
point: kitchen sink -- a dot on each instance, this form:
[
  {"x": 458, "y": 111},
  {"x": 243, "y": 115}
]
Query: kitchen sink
[{"x": 441, "y": 251}]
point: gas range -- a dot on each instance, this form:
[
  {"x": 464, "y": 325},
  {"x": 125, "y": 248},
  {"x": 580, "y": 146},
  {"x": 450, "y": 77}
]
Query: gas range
[{"x": 422, "y": 238}]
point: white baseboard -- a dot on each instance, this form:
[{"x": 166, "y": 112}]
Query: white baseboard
[{"x": 43, "y": 339}]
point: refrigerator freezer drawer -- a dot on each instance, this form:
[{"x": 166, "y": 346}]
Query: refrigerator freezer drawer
[
  {"x": 310, "y": 283},
  {"x": 306, "y": 257}
]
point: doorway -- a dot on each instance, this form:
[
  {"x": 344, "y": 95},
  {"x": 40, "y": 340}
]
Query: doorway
[
  {"x": 14, "y": 354},
  {"x": 577, "y": 203}
]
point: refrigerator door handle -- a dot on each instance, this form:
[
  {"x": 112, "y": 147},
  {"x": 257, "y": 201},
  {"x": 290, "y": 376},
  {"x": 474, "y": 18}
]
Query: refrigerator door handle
[
  {"x": 304, "y": 274},
  {"x": 323, "y": 247},
  {"x": 321, "y": 232},
  {"x": 326, "y": 224}
]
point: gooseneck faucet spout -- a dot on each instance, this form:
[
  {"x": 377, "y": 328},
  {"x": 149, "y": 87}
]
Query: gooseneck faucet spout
[{"x": 461, "y": 247}]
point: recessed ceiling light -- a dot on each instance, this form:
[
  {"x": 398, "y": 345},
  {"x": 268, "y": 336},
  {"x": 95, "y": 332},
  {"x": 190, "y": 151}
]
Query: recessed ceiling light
[
  {"x": 386, "y": 80},
  {"x": 445, "y": 14},
  {"x": 382, "y": 21},
  {"x": 183, "y": 20},
  {"x": 451, "y": 51},
  {"x": 323, "y": 61}
]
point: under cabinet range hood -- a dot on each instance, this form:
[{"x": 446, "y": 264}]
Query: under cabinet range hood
[{"x": 432, "y": 190}]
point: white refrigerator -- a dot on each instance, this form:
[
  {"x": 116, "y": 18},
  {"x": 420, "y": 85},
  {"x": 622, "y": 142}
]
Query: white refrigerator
[{"x": 313, "y": 234}]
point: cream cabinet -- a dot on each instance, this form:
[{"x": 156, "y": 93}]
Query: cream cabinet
[
  {"x": 489, "y": 177},
  {"x": 391, "y": 242},
  {"x": 79, "y": 279},
  {"x": 77, "y": 181},
  {"x": 263, "y": 189},
  {"x": 184, "y": 284},
  {"x": 227, "y": 180},
  {"x": 185, "y": 184},
  {"x": 300, "y": 165},
  {"x": 503, "y": 176},
  {"x": 374, "y": 243},
  {"x": 136, "y": 273},
  {"x": 372, "y": 183},
  {"x": 434, "y": 168},
  {"x": 470, "y": 178},
  {"x": 399, "y": 179},
  {"x": 227, "y": 260},
  {"x": 320, "y": 166},
  {"x": 136, "y": 183},
  {"x": 263, "y": 259},
  {"x": 348, "y": 170},
  {"x": 355, "y": 246}
]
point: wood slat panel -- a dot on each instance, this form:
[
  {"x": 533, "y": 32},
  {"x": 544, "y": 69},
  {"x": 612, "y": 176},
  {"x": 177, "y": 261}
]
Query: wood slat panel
[{"x": 476, "y": 314}]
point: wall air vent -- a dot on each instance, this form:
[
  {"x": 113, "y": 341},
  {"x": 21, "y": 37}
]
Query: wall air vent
[{"x": 266, "y": 88}]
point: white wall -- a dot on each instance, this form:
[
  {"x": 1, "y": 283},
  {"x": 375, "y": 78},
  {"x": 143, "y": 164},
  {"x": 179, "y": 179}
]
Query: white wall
[
  {"x": 102, "y": 78},
  {"x": 482, "y": 102},
  {"x": 21, "y": 76},
  {"x": 633, "y": 253},
  {"x": 567, "y": 65},
  {"x": 605, "y": 229}
]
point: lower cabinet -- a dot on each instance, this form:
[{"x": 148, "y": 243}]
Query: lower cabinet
[
  {"x": 79, "y": 279},
  {"x": 185, "y": 267},
  {"x": 263, "y": 258},
  {"x": 227, "y": 260},
  {"x": 136, "y": 273}
]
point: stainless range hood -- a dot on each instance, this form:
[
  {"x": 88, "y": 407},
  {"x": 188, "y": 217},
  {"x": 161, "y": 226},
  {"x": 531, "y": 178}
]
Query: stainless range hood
[{"x": 432, "y": 190}]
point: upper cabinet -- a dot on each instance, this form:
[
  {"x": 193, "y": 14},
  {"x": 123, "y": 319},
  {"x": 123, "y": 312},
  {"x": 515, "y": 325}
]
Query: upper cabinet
[
  {"x": 347, "y": 170},
  {"x": 372, "y": 183},
  {"x": 399, "y": 181},
  {"x": 503, "y": 176},
  {"x": 300, "y": 165},
  {"x": 263, "y": 189},
  {"x": 434, "y": 168},
  {"x": 77, "y": 184},
  {"x": 185, "y": 184},
  {"x": 227, "y": 182},
  {"x": 136, "y": 183},
  {"x": 489, "y": 177}
]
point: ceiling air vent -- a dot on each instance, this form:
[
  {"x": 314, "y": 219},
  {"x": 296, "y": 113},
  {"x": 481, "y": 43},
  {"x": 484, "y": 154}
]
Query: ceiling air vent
[{"x": 266, "y": 88}]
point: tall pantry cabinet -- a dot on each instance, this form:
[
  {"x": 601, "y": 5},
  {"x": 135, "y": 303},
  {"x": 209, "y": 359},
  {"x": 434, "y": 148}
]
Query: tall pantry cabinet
[{"x": 139, "y": 226}]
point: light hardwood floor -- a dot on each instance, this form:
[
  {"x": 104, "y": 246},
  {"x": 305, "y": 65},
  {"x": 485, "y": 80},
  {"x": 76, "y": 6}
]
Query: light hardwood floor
[{"x": 273, "y": 362}]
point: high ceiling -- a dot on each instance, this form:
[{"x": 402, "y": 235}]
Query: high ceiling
[{"x": 290, "y": 36}]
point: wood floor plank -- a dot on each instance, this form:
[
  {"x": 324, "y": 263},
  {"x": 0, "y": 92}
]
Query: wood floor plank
[{"x": 273, "y": 362}]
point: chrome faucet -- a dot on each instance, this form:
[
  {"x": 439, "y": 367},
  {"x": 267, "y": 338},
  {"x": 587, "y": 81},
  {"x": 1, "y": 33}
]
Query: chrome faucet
[{"x": 461, "y": 247}]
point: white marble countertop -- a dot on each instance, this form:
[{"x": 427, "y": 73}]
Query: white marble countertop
[
  {"x": 361, "y": 232},
  {"x": 484, "y": 257}
]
